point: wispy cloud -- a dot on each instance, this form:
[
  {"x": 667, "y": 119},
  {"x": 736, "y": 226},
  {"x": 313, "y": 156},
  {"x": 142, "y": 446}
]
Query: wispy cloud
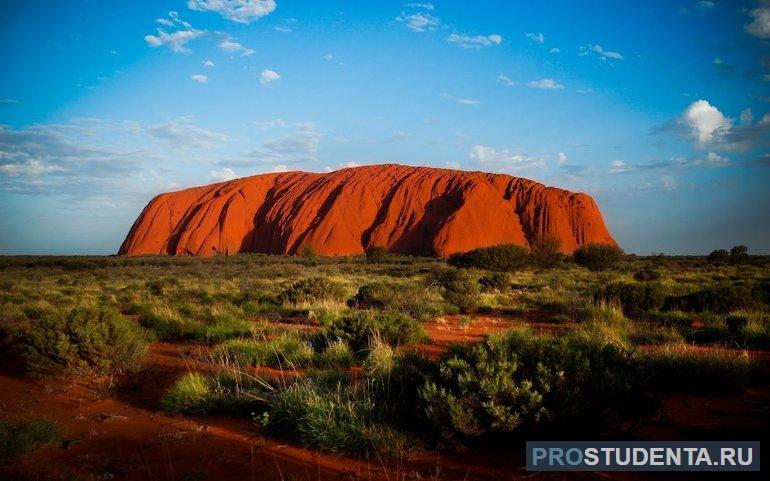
[
  {"x": 461, "y": 101},
  {"x": 200, "y": 78},
  {"x": 545, "y": 84},
  {"x": 8, "y": 102},
  {"x": 535, "y": 37},
  {"x": 475, "y": 41},
  {"x": 505, "y": 80},
  {"x": 181, "y": 133},
  {"x": 222, "y": 175},
  {"x": 760, "y": 23},
  {"x": 240, "y": 11},
  {"x": 600, "y": 52},
  {"x": 420, "y": 21},
  {"x": 175, "y": 41},
  {"x": 503, "y": 160},
  {"x": 232, "y": 46}
]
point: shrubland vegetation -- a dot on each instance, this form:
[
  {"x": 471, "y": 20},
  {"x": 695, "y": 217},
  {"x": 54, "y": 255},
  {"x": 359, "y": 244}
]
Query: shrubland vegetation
[{"x": 328, "y": 353}]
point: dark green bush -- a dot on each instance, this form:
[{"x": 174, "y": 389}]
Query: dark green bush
[
  {"x": 718, "y": 257},
  {"x": 360, "y": 328},
  {"x": 84, "y": 339},
  {"x": 598, "y": 257},
  {"x": 719, "y": 299},
  {"x": 377, "y": 254},
  {"x": 409, "y": 298},
  {"x": 739, "y": 255},
  {"x": 517, "y": 381},
  {"x": 697, "y": 371},
  {"x": 313, "y": 289},
  {"x": 495, "y": 282},
  {"x": 636, "y": 299},
  {"x": 647, "y": 275},
  {"x": 18, "y": 438},
  {"x": 546, "y": 251},
  {"x": 460, "y": 289},
  {"x": 504, "y": 257}
]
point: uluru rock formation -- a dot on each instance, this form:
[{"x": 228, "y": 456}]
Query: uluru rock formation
[{"x": 410, "y": 210}]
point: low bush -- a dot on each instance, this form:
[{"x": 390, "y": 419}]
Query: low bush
[
  {"x": 718, "y": 257},
  {"x": 546, "y": 251},
  {"x": 336, "y": 354},
  {"x": 504, "y": 257},
  {"x": 359, "y": 329},
  {"x": 313, "y": 289},
  {"x": 196, "y": 394},
  {"x": 460, "y": 289},
  {"x": 377, "y": 254},
  {"x": 647, "y": 275},
  {"x": 636, "y": 299},
  {"x": 19, "y": 438},
  {"x": 719, "y": 299},
  {"x": 409, "y": 298},
  {"x": 495, "y": 282},
  {"x": 166, "y": 321},
  {"x": 97, "y": 339},
  {"x": 739, "y": 255},
  {"x": 598, "y": 257},
  {"x": 517, "y": 380}
]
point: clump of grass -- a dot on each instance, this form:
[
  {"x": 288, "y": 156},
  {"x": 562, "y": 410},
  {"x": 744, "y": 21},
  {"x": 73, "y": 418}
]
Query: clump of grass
[
  {"x": 460, "y": 289},
  {"x": 166, "y": 321},
  {"x": 642, "y": 334},
  {"x": 222, "y": 328},
  {"x": 380, "y": 359},
  {"x": 687, "y": 369},
  {"x": 360, "y": 328},
  {"x": 495, "y": 282},
  {"x": 83, "y": 339},
  {"x": 636, "y": 298},
  {"x": 336, "y": 354},
  {"x": 197, "y": 393},
  {"x": 19, "y": 438},
  {"x": 288, "y": 350},
  {"x": 404, "y": 297}
]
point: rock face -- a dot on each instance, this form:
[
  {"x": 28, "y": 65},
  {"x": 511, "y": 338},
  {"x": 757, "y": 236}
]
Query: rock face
[{"x": 410, "y": 210}]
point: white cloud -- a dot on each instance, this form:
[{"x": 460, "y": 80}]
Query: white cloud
[
  {"x": 180, "y": 133},
  {"x": 8, "y": 101},
  {"x": 475, "y": 41},
  {"x": 241, "y": 11},
  {"x": 505, "y": 160},
  {"x": 208, "y": 63},
  {"x": 419, "y": 22},
  {"x": 603, "y": 54},
  {"x": 713, "y": 159},
  {"x": 174, "y": 41},
  {"x": 29, "y": 168},
  {"x": 295, "y": 147},
  {"x": 706, "y": 123},
  {"x": 425, "y": 6},
  {"x": 561, "y": 158},
  {"x": 535, "y": 37},
  {"x": 460, "y": 101},
  {"x": 618, "y": 167},
  {"x": 222, "y": 175},
  {"x": 282, "y": 29},
  {"x": 268, "y": 76},
  {"x": 554, "y": 50},
  {"x": 400, "y": 135},
  {"x": 328, "y": 57},
  {"x": 545, "y": 84},
  {"x": 760, "y": 25},
  {"x": 201, "y": 79},
  {"x": 505, "y": 80},
  {"x": 705, "y": 5},
  {"x": 747, "y": 117},
  {"x": 234, "y": 47}
]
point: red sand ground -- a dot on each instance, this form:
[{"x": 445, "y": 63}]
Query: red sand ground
[
  {"x": 123, "y": 435},
  {"x": 410, "y": 210}
]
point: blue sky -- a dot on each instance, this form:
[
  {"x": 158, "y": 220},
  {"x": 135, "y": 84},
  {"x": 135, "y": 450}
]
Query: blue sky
[{"x": 657, "y": 109}]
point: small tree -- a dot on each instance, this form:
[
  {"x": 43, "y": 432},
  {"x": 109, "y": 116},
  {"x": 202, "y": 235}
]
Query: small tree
[
  {"x": 308, "y": 252},
  {"x": 503, "y": 258},
  {"x": 718, "y": 257},
  {"x": 598, "y": 257},
  {"x": 739, "y": 255},
  {"x": 546, "y": 251}
]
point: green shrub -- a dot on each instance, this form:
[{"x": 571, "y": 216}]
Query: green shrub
[
  {"x": 516, "y": 380},
  {"x": 718, "y": 257},
  {"x": 19, "y": 438},
  {"x": 379, "y": 360},
  {"x": 719, "y": 299},
  {"x": 393, "y": 296},
  {"x": 636, "y": 299},
  {"x": 97, "y": 339},
  {"x": 377, "y": 254},
  {"x": 222, "y": 328},
  {"x": 647, "y": 275},
  {"x": 739, "y": 255},
  {"x": 359, "y": 329},
  {"x": 460, "y": 289},
  {"x": 598, "y": 257},
  {"x": 503, "y": 257},
  {"x": 546, "y": 251},
  {"x": 166, "y": 322},
  {"x": 313, "y": 289},
  {"x": 654, "y": 335},
  {"x": 288, "y": 350},
  {"x": 495, "y": 282},
  {"x": 695, "y": 370}
]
